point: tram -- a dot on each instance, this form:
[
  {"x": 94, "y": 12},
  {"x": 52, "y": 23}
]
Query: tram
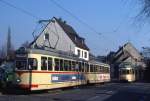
[
  {"x": 127, "y": 73},
  {"x": 98, "y": 72},
  {"x": 40, "y": 69}
]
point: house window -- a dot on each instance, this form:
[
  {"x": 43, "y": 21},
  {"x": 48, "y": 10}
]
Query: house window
[
  {"x": 78, "y": 52},
  {"x": 46, "y": 36},
  {"x": 85, "y": 54}
]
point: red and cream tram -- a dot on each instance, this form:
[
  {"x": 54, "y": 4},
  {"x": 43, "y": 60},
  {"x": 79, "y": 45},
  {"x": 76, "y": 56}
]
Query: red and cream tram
[{"x": 40, "y": 69}]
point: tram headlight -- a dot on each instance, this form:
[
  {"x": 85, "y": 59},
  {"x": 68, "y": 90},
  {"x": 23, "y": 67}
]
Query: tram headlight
[{"x": 18, "y": 80}]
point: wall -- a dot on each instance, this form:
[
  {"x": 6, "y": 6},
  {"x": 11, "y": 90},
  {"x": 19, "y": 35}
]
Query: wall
[
  {"x": 58, "y": 39},
  {"x": 82, "y": 51}
]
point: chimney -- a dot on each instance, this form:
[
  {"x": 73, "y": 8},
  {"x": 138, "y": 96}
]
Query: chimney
[{"x": 65, "y": 22}]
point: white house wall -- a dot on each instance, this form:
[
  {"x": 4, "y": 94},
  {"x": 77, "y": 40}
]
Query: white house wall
[
  {"x": 56, "y": 33},
  {"x": 133, "y": 51},
  {"x": 82, "y": 51}
]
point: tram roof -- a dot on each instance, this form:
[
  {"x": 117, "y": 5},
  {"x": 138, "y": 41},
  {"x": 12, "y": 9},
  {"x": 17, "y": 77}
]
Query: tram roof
[
  {"x": 98, "y": 63},
  {"x": 51, "y": 52},
  {"x": 127, "y": 68}
]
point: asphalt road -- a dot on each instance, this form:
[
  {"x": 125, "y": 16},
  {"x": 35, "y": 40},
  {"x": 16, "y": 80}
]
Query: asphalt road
[{"x": 106, "y": 92}]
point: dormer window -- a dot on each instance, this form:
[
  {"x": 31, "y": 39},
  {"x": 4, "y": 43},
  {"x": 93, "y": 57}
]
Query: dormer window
[
  {"x": 46, "y": 36},
  {"x": 75, "y": 38},
  {"x": 85, "y": 54},
  {"x": 82, "y": 41}
]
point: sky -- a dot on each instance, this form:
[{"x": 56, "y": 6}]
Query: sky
[{"x": 116, "y": 20}]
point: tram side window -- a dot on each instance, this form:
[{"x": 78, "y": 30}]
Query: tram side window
[
  {"x": 83, "y": 67},
  {"x": 128, "y": 71},
  {"x": 69, "y": 69},
  {"x": 98, "y": 68},
  {"x": 133, "y": 71},
  {"x": 95, "y": 68},
  {"x": 61, "y": 65},
  {"x": 107, "y": 69},
  {"x": 104, "y": 69},
  {"x": 80, "y": 66},
  {"x": 57, "y": 65},
  {"x": 66, "y": 65},
  {"x": 91, "y": 68},
  {"x": 32, "y": 63},
  {"x": 43, "y": 63},
  {"x": 77, "y": 66},
  {"x": 87, "y": 68},
  {"x": 50, "y": 64},
  {"x": 73, "y": 66}
]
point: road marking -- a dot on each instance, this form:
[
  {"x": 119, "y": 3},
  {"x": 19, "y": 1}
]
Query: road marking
[
  {"x": 109, "y": 92},
  {"x": 93, "y": 98}
]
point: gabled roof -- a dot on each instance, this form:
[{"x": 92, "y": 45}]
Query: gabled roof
[
  {"x": 38, "y": 35},
  {"x": 128, "y": 50},
  {"x": 77, "y": 40}
]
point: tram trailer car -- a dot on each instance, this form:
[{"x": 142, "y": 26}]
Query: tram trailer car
[
  {"x": 97, "y": 72},
  {"x": 39, "y": 69}
]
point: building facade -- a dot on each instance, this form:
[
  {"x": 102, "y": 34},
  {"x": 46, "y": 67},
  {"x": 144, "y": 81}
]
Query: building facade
[
  {"x": 128, "y": 54},
  {"x": 59, "y": 35}
]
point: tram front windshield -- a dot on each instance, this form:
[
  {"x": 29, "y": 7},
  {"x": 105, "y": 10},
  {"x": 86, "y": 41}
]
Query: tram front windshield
[
  {"x": 21, "y": 64},
  {"x": 24, "y": 64}
]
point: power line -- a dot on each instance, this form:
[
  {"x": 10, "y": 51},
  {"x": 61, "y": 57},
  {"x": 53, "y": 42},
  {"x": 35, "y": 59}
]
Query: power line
[
  {"x": 23, "y": 11},
  {"x": 58, "y": 5},
  {"x": 75, "y": 17},
  {"x": 19, "y": 9},
  {"x": 126, "y": 17}
]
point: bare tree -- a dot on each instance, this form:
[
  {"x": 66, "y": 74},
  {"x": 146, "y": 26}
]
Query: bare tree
[
  {"x": 145, "y": 10},
  {"x": 25, "y": 44}
]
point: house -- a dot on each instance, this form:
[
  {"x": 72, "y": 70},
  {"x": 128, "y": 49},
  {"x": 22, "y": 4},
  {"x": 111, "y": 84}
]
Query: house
[
  {"x": 59, "y": 35},
  {"x": 146, "y": 55},
  {"x": 128, "y": 54}
]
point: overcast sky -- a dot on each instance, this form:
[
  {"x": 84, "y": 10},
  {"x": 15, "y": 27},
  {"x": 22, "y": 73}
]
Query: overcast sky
[{"x": 114, "y": 19}]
